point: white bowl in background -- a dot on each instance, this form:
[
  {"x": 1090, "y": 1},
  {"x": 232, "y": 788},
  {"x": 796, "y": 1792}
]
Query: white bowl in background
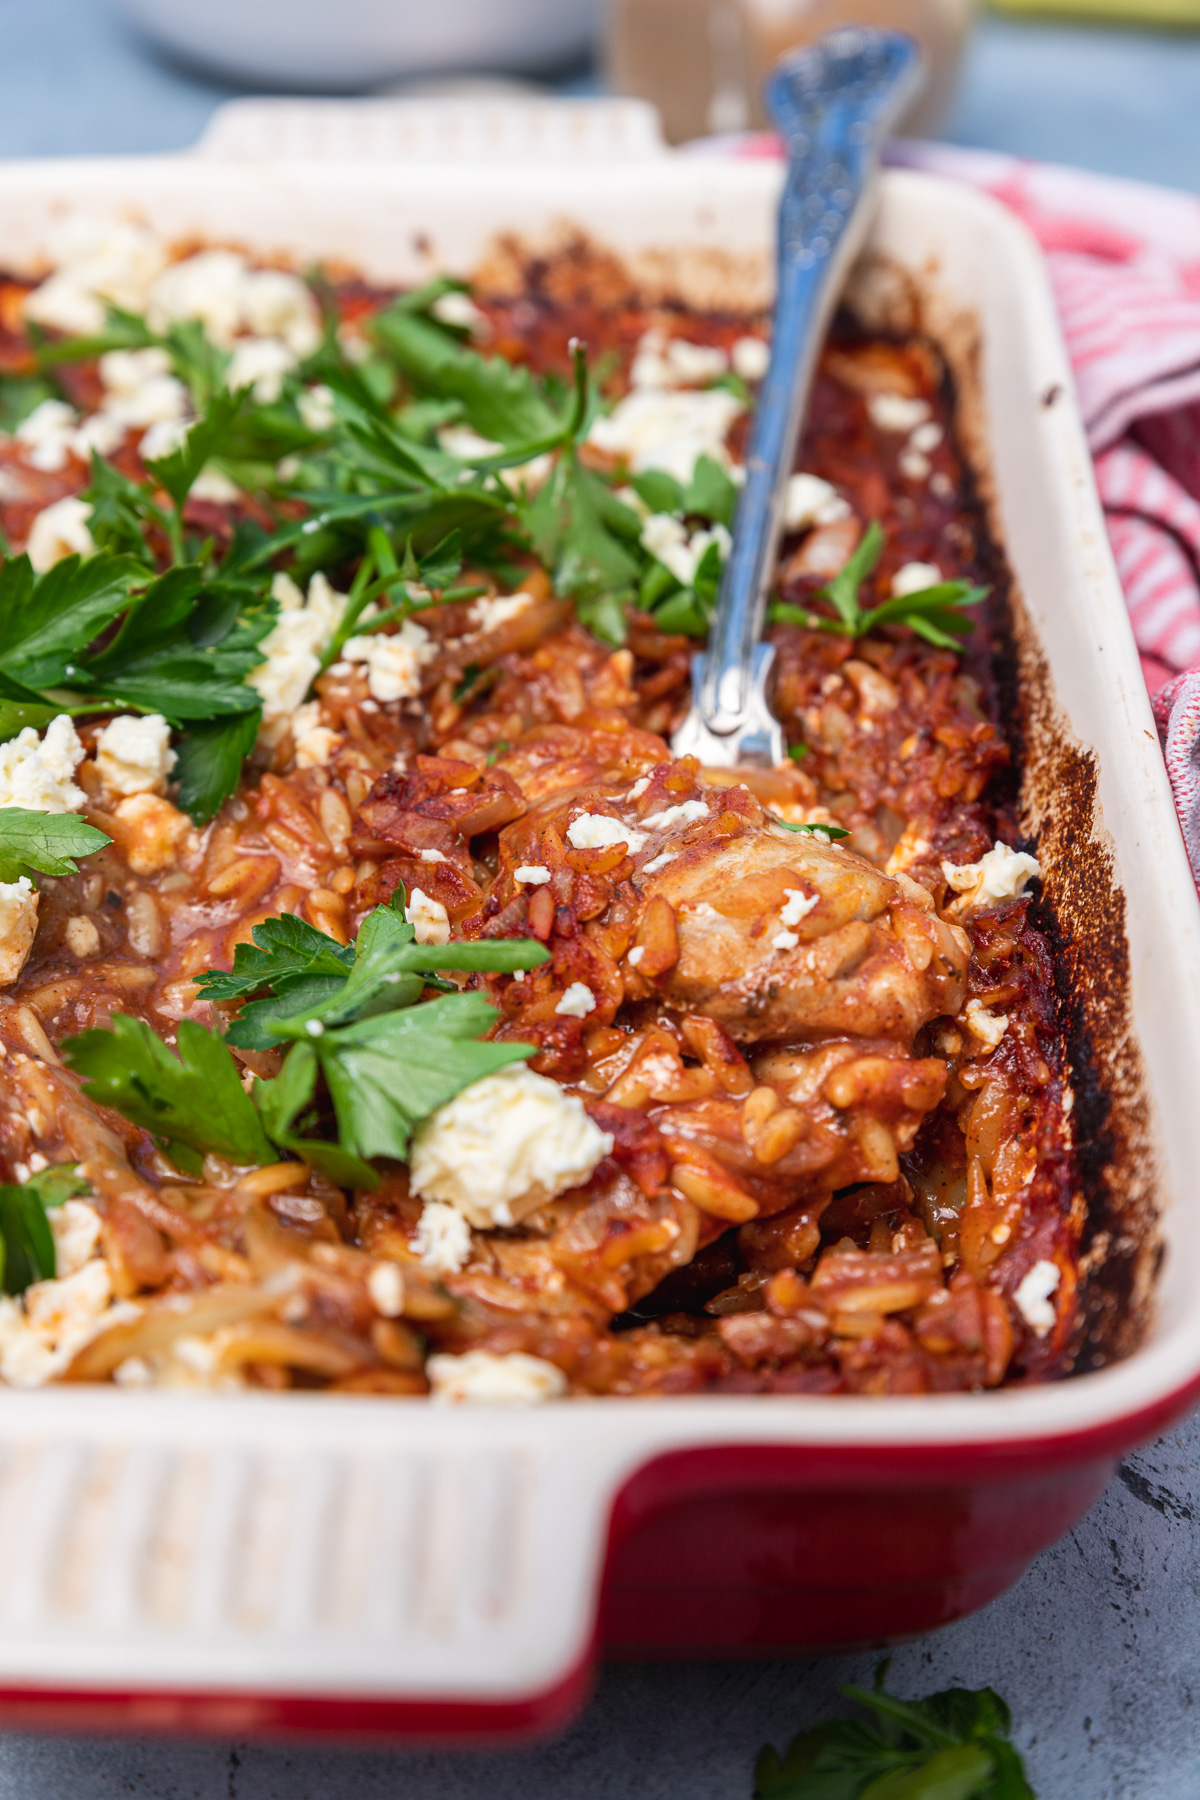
[{"x": 345, "y": 44}]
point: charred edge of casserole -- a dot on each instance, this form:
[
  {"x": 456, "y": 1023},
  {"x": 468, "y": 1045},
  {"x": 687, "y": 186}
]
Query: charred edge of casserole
[{"x": 1052, "y": 785}]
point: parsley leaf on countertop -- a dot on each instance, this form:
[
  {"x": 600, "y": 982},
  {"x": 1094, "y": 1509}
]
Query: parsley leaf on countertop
[
  {"x": 41, "y": 843},
  {"x": 954, "y": 1745}
]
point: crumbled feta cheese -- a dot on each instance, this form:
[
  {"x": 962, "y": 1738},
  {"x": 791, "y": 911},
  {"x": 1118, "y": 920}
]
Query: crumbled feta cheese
[
  {"x": 428, "y": 917},
  {"x": 260, "y": 364},
  {"x": 163, "y": 439},
  {"x": 914, "y": 465},
  {"x": 134, "y": 755},
  {"x": 751, "y": 358},
  {"x": 596, "y": 831},
  {"x": 532, "y": 874},
  {"x": 96, "y": 263},
  {"x": 47, "y": 434},
  {"x": 76, "y": 1230},
  {"x": 315, "y": 406},
  {"x": 37, "y": 774},
  {"x": 275, "y": 304},
  {"x": 639, "y": 787},
  {"x": 212, "y": 485},
  {"x": 808, "y": 500},
  {"x": 785, "y": 940},
  {"x": 60, "y": 530},
  {"x": 314, "y": 743},
  {"x": 1000, "y": 875},
  {"x": 668, "y": 431},
  {"x": 896, "y": 412},
  {"x": 207, "y": 287},
  {"x": 988, "y": 1027},
  {"x": 456, "y": 308},
  {"x": 662, "y": 362},
  {"x": 18, "y": 923},
  {"x": 659, "y": 862},
  {"x": 505, "y": 1146},
  {"x": 926, "y": 437},
  {"x": 635, "y": 955},
  {"x": 487, "y": 615},
  {"x": 433, "y": 856},
  {"x": 293, "y": 648},
  {"x": 688, "y": 812},
  {"x": 484, "y": 1379},
  {"x": 465, "y": 444},
  {"x": 667, "y": 538},
  {"x": 1033, "y": 1297},
  {"x": 83, "y": 939},
  {"x": 443, "y": 1238},
  {"x": 140, "y": 389},
  {"x": 58, "y": 1318},
  {"x": 577, "y": 1002},
  {"x": 385, "y": 1284},
  {"x": 394, "y": 663},
  {"x": 914, "y": 576},
  {"x": 797, "y": 907}
]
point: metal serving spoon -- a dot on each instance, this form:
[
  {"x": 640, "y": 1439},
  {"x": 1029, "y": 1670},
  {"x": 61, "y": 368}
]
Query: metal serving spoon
[{"x": 834, "y": 103}]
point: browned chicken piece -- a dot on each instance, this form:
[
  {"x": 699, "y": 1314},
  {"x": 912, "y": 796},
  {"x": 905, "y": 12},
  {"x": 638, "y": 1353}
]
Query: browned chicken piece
[{"x": 784, "y": 936}]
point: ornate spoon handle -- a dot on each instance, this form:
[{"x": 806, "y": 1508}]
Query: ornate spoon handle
[{"x": 834, "y": 103}]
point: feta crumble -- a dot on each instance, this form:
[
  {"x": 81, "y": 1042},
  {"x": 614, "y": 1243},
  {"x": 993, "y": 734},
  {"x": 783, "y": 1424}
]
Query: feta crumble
[
  {"x": 37, "y": 773},
  {"x": 914, "y": 576},
  {"x": 385, "y": 1284},
  {"x": 808, "y": 500},
  {"x": 785, "y": 940},
  {"x": 83, "y": 939},
  {"x": 688, "y": 812},
  {"x": 987, "y": 1026},
  {"x": 393, "y": 663},
  {"x": 459, "y": 309},
  {"x": 659, "y": 862},
  {"x": 433, "y": 856},
  {"x": 751, "y": 358},
  {"x": 896, "y": 412},
  {"x": 488, "y": 1380},
  {"x": 96, "y": 263},
  {"x": 443, "y": 1238},
  {"x": 668, "y": 430},
  {"x": 662, "y": 362},
  {"x": 926, "y": 437},
  {"x": 134, "y": 755},
  {"x": 18, "y": 923},
  {"x": 667, "y": 539},
  {"x": 1000, "y": 875},
  {"x": 60, "y": 530},
  {"x": 488, "y": 615},
  {"x": 260, "y": 364},
  {"x": 76, "y": 1230},
  {"x": 577, "y": 1002},
  {"x": 315, "y": 406},
  {"x": 504, "y": 1146},
  {"x": 797, "y": 907},
  {"x": 1033, "y": 1297},
  {"x": 532, "y": 875},
  {"x": 293, "y": 648},
  {"x": 428, "y": 917},
  {"x": 639, "y": 787},
  {"x": 596, "y": 831},
  {"x": 40, "y": 1339}
]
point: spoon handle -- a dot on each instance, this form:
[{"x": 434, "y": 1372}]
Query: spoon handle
[{"x": 834, "y": 103}]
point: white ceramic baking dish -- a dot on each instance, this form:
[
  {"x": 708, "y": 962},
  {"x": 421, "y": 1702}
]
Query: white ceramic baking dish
[{"x": 310, "y": 1563}]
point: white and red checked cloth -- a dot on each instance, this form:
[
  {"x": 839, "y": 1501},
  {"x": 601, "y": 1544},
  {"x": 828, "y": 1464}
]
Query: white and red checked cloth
[{"x": 1124, "y": 262}]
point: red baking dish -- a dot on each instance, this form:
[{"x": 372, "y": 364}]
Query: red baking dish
[{"x": 299, "y": 1564}]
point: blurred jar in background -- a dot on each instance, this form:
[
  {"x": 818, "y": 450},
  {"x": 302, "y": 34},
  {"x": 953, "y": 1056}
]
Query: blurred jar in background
[{"x": 703, "y": 62}]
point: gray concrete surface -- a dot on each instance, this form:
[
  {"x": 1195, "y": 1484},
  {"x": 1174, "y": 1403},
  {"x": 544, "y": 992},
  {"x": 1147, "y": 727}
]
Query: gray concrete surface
[{"x": 1097, "y": 1651}]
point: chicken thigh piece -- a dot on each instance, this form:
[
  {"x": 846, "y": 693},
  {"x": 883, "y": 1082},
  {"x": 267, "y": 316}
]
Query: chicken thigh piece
[{"x": 785, "y": 936}]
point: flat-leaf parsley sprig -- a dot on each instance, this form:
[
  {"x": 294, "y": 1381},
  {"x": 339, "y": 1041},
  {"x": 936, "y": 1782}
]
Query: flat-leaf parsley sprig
[
  {"x": 351, "y": 1015},
  {"x": 934, "y": 613},
  {"x": 954, "y": 1745}
]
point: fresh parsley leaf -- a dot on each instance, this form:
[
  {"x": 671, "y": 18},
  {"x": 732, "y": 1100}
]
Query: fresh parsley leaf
[
  {"x": 798, "y": 752},
  {"x": 933, "y": 613},
  {"x": 47, "y": 621},
  {"x": 501, "y": 400},
  {"x": 19, "y": 395},
  {"x": 26, "y": 1242},
  {"x": 39, "y": 843},
  {"x": 387, "y": 1073},
  {"x": 658, "y": 490},
  {"x": 123, "y": 511},
  {"x": 281, "y": 1101},
  {"x": 193, "y": 1103},
  {"x": 828, "y": 832},
  {"x": 578, "y": 528},
  {"x": 283, "y": 950},
  {"x": 178, "y": 472},
  {"x": 711, "y": 493},
  {"x": 689, "y": 611},
  {"x": 21, "y": 706},
  {"x": 952, "y": 1746},
  {"x": 209, "y": 759},
  {"x": 59, "y": 1183}
]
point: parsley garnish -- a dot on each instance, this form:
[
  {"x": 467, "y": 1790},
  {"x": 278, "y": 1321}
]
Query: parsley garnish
[
  {"x": 934, "y": 613},
  {"x": 952, "y": 1746},
  {"x": 27, "y": 1251},
  {"x": 828, "y": 832},
  {"x": 39, "y": 843},
  {"x": 350, "y": 1015}
]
